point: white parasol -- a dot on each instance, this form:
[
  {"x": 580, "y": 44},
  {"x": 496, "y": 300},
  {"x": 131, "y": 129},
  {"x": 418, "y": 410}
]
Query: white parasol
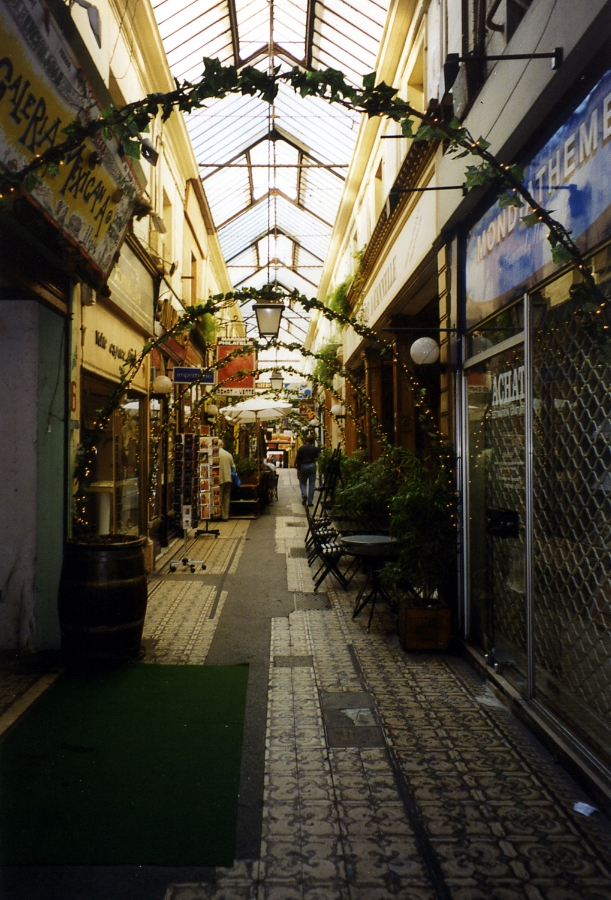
[{"x": 256, "y": 409}]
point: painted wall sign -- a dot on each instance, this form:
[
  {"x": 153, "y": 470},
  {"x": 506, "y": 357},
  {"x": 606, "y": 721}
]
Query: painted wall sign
[
  {"x": 408, "y": 249},
  {"x": 133, "y": 288},
  {"x": 42, "y": 89},
  {"x": 109, "y": 344},
  {"x": 570, "y": 175},
  {"x": 240, "y": 385}
]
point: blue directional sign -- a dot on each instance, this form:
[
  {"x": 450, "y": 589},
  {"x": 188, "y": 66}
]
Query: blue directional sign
[{"x": 190, "y": 374}]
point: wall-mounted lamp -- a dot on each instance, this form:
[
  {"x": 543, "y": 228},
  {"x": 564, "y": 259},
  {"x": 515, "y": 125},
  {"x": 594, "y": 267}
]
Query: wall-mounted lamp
[
  {"x": 276, "y": 380},
  {"x": 424, "y": 351},
  {"x": 451, "y": 65},
  {"x": 269, "y": 316},
  {"x": 211, "y": 412},
  {"x": 162, "y": 385},
  {"x": 338, "y": 411}
]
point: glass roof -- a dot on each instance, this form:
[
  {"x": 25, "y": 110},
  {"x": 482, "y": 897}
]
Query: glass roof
[{"x": 273, "y": 175}]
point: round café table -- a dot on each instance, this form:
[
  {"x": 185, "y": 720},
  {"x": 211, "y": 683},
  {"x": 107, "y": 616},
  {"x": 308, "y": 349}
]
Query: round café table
[{"x": 373, "y": 550}]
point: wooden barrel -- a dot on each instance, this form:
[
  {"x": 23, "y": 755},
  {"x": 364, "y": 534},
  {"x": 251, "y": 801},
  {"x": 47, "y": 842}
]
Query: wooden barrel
[{"x": 102, "y": 599}]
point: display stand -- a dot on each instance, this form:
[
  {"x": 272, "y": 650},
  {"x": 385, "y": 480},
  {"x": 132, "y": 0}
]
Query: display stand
[
  {"x": 209, "y": 484},
  {"x": 213, "y": 532}
]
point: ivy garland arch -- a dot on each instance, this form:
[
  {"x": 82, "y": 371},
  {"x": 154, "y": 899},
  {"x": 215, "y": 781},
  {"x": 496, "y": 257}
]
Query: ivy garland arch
[{"x": 374, "y": 100}]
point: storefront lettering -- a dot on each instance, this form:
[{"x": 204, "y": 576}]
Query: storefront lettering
[
  {"x": 508, "y": 387},
  {"x": 383, "y": 286},
  {"x": 552, "y": 173},
  {"x": 116, "y": 352}
]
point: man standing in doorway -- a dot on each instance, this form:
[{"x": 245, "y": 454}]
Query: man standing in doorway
[
  {"x": 226, "y": 464},
  {"x": 305, "y": 464}
]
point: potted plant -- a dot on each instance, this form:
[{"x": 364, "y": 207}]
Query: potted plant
[
  {"x": 247, "y": 470},
  {"x": 423, "y": 519}
]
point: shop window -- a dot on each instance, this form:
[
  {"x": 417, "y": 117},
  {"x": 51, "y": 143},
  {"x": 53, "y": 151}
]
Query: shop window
[
  {"x": 572, "y": 505},
  {"x": 504, "y": 326},
  {"x": 115, "y": 488}
]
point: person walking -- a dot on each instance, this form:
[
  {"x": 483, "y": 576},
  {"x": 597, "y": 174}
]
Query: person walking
[
  {"x": 305, "y": 463},
  {"x": 226, "y": 464}
]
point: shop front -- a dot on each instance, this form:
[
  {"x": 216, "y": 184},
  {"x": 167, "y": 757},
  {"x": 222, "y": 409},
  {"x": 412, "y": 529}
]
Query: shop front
[
  {"x": 118, "y": 491},
  {"x": 537, "y": 442}
]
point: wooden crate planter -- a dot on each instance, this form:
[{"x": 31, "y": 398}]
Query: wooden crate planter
[{"x": 424, "y": 629}]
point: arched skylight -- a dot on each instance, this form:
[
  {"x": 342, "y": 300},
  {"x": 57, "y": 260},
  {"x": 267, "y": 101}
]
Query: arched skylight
[{"x": 274, "y": 175}]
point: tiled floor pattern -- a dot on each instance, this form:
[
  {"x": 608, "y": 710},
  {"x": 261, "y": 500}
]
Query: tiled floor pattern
[
  {"x": 215, "y": 552},
  {"x": 180, "y": 622},
  {"x": 495, "y": 811}
]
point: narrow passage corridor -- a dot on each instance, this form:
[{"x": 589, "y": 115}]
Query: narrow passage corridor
[{"x": 367, "y": 773}]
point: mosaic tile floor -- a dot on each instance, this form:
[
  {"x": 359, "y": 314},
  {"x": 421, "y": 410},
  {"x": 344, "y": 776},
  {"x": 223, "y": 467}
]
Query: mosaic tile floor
[
  {"x": 390, "y": 775},
  {"x": 387, "y": 775}
]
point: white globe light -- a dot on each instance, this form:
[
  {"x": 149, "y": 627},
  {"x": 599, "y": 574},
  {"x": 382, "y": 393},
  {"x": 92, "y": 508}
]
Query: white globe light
[
  {"x": 162, "y": 385},
  {"x": 424, "y": 351},
  {"x": 212, "y": 410},
  {"x": 337, "y": 409}
]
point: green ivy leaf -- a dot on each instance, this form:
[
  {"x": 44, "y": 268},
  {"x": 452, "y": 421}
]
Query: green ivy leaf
[
  {"x": 508, "y": 199},
  {"x": 31, "y": 182},
  {"x": 530, "y": 220},
  {"x": 517, "y": 170},
  {"x": 132, "y": 149},
  {"x": 560, "y": 254},
  {"x": 369, "y": 81},
  {"x": 482, "y": 143}
]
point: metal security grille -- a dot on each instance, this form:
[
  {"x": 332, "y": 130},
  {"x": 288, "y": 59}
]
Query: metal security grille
[
  {"x": 572, "y": 514},
  {"x": 497, "y": 517}
]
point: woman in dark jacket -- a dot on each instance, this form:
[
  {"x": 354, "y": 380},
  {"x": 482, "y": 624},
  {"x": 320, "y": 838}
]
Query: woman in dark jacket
[{"x": 305, "y": 464}]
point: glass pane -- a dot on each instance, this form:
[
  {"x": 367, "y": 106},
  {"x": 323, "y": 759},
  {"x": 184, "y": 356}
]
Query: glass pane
[
  {"x": 126, "y": 437},
  {"x": 507, "y": 324},
  {"x": 572, "y": 508},
  {"x": 497, "y": 494},
  {"x": 155, "y": 460}
]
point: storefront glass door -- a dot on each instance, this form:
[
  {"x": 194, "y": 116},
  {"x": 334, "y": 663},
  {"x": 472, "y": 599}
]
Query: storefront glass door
[{"x": 496, "y": 474}]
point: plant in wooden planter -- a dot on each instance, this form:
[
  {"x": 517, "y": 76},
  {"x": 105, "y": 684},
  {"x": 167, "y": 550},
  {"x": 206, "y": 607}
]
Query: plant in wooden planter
[{"x": 423, "y": 519}]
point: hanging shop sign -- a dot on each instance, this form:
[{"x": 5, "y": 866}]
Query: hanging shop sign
[
  {"x": 191, "y": 374},
  {"x": 109, "y": 345},
  {"x": 569, "y": 175},
  {"x": 42, "y": 90},
  {"x": 239, "y": 385}
]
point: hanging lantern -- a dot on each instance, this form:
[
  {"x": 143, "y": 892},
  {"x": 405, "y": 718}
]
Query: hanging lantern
[
  {"x": 276, "y": 380},
  {"x": 424, "y": 351},
  {"x": 268, "y": 318}
]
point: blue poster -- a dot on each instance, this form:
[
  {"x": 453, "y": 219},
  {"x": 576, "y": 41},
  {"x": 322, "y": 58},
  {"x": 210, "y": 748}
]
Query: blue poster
[{"x": 571, "y": 175}]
